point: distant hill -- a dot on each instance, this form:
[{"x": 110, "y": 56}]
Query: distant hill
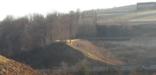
[
  {"x": 123, "y": 9},
  {"x": 124, "y": 14}
]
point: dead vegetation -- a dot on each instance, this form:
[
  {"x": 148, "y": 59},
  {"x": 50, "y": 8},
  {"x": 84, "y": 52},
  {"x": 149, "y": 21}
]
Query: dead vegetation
[
  {"x": 11, "y": 67},
  {"x": 93, "y": 52}
]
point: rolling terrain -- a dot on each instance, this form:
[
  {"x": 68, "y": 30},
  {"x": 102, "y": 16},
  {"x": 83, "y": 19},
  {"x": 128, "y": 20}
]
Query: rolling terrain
[
  {"x": 117, "y": 37},
  {"x": 70, "y": 53}
]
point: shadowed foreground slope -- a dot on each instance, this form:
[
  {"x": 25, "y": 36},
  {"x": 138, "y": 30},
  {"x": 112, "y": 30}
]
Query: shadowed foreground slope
[
  {"x": 50, "y": 56},
  {"x": 11, "y": 67}
]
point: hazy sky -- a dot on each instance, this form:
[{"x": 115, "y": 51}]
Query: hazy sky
[{"x": 24, "y": 7}]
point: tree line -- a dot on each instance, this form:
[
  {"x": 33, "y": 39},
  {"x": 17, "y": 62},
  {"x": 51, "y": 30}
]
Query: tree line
[{"x": 28, "y": 32}]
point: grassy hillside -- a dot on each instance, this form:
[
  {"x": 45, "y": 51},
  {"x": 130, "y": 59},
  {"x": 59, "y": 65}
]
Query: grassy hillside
[
  {"x": 90, "y": 50},
  {"x": 135, "y": 16},
  {"x": 124, "y": 14},
  {"x": 137, "y": 51}
]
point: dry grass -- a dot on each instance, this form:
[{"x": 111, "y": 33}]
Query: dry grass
[
  {"x": 93, "y": 52},
  {"x": 11, "y": 67}
]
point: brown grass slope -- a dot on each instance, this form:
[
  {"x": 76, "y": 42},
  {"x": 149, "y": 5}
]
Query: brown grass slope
[
  {"x": 11, "y": 67},
  {"x": 93, "y": 52}
]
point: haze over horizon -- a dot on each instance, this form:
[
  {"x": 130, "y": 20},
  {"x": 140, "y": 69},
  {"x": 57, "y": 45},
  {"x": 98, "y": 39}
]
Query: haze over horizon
[{"x": 18, "y": 8}]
